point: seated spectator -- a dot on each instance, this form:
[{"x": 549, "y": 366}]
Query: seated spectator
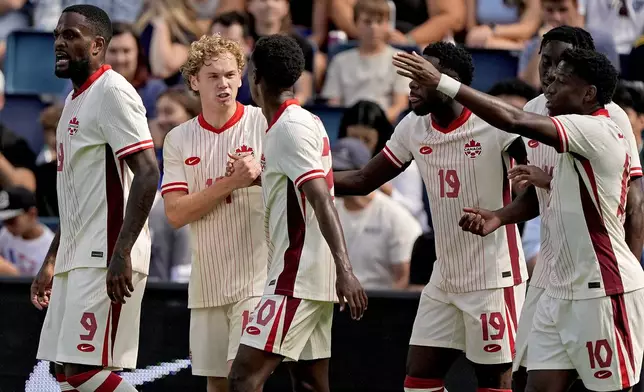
[
  {"x": 312, "y": 17},
  {"x": 170, "y": 258},
  {"x": 630, "y": 100},
  {"x": 501, "y": 24},
  {"x": 515, "y": 92},
  {"x": 623, "y": 20},
  {"x": 126, "y": 57},
  {"x": 234, "y": 25},
  {"x": 418, "y": 22},
  {"x": 559, "y": 13},
  {"x": 12, "y": 17},
  {"x": 16, "y": 158},
  {"x": 273, "y": 17},
  {"x": 378, "y": 231},
  {"x": 166, "y": 29},
  {"x": 24, "y": 241},
  {"x": 47, "y": 12},
  {"x": 174, "y": 106},
  {"x": 366, "y": 121},
  {"x": 366, "y": 72},
  {"x": 46, "y": 166}
]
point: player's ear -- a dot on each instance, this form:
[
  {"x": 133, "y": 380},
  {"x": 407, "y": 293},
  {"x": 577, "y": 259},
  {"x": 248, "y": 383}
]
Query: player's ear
[
  {"x": 193, "y": 82},
  {"x": 591, "y": 93},
  {"x": 98, "y": 46}
]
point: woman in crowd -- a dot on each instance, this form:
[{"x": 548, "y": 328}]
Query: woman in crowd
[
  {"x": 368, "y": 122},
  {"x": 502, "y": 24}
]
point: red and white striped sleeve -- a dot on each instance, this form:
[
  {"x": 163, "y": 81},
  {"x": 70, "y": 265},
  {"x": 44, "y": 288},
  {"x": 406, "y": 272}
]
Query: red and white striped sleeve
[
  {"x": 587, "y": 136},
  {"x": 301, "y": 149},
  {"x": 174, "y": 175},
  {"x": 396, "y": 150},
  {"x": 123, "y": 122}
]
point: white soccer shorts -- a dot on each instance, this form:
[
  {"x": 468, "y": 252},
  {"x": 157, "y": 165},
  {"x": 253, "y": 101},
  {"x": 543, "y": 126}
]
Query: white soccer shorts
[
  {"x": 297, "y": 329},
  {"x": 600, "y": 338},
  {"x": 83, "y": 326},
  {"x": 215, "y": 333},
  {"x": 525, "y": 325},
  {"x": 481, "y": 323}
]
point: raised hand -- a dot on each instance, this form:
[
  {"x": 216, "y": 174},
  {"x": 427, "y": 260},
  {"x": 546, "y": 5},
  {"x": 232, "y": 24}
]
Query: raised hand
[
  {"x": 525, "y": 175},
  {"x": 479, "y": 221},
  {"x": 417, "y": 68}
]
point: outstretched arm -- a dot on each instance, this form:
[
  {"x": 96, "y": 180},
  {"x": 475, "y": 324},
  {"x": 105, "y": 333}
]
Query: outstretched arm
[
  {"x": 492, "y": 110},
  {"x": 634, "y": 224},
  {"x": 378, "y": 171}
]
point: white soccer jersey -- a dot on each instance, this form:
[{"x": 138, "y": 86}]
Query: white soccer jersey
[
  {"x": 586, "y": 210},
  {"x": 228, "y": 244},
  {"x": 464, "y": 165},
  {"x": 101, "y": 124},
  {"x": 545, "y": 157},
  {"x": 296, "y": 150}
]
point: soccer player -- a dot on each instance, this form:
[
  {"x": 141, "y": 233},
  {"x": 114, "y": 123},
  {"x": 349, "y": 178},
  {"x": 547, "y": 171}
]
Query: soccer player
[
  {"x": 225, "y": 214},
  {"x": 474, "y": 297},
  {"x": 95, "y": 272},
  {"x": 589, "y": 322},
  {"x": 293, "y": 319},
  {"x": 543, "y": 159}
]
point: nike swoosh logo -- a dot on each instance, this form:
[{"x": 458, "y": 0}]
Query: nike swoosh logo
[{"x": 41, "y": 380}]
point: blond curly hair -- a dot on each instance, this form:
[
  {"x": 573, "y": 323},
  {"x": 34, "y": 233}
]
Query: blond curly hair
[{"x": 206, "y": 48}]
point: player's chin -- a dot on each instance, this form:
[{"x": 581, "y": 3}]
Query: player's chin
[{"x": 62, "y": 72}]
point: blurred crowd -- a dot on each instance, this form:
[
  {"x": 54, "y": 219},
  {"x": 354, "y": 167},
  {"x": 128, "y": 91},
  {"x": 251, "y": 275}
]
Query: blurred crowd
[{"x": 388, "y": 233}]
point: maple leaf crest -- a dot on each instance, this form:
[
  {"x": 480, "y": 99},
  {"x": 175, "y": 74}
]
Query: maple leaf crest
[
  {"x": 244, "y": 148},
  {"x": 472, "y": 148}
]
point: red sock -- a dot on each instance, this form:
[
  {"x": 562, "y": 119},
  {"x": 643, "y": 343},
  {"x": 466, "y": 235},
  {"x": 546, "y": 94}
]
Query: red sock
[
  {"x": 493, "y": 390},
  {"x": 99, "y": 381},
  {"x": 63, "y": 384},
  {"x": 415, "y": 384}
]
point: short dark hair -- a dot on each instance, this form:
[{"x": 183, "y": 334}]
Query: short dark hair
[
  {"x": 278, "y": 60},
  {"x": 515, "y": 87},
  {"x": 623, "y": 97},
  {"x": 232, "y": 18},
  {"x": 98, "y": 19},
  {"x": 452, "y": 57},
  {"x": 594, "y": 68},
  {"x": 575, "y": 36},
  {"x": 368, "y": 114}
]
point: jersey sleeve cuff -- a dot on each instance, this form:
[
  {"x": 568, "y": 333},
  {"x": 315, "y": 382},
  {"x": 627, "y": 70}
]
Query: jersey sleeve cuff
[
  {"x": 308, "y": 176},
  {"x": 561, "y": 133},
  {"x": 636, "y": 172},
  {"x": 173, "y": 187},
  {"x": 391, "y": 157},
  {"x": 134, "y": 147}
]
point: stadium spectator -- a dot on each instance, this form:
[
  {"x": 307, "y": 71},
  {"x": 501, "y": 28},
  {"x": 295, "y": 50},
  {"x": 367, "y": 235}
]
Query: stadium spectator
[
  {"x": 272, "y": 17},
  {"x": 235, "y": 25},
  {"x": 501, "y": 24},
  {"x": 126, "y": 57},
  {"x": 366, "y": 72},
  {"x": 174, "y": 106},
  {"x": 16, "y": 158},
  {"x": 312, "y": 18},
  {"x": 47, "y": 12},
  {"x": 170, "y": 257},
  {"x": 630, "y": 100},
  {"x": 12, "y": 17},
  {"x": 367, "y": 121},
  {"x": 559, "y": 13},
  {"x": 46, "y": 165},
  {"x": 623, "y": 20},
  {"x": 167, "y": 27},
  {"x": 515, "y": 92},
  {"x": 379, "y": 232},
  {"x": 24, "y": 241}
]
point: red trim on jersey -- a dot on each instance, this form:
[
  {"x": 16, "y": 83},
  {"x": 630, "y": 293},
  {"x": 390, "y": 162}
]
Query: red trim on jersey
[
  {"x": 599, "y": 236},
  {"x": 623, "y": 334},
  {"x": 291, "y": 308},
  {"x": 110, "y": 384},
  {"x": 600, "y": 112},
  {"x": 79, "y": 379},
  {"x": 511, "y": 232},
  {"x": 296, "y": 232},
  {"x": 511, "y": 315},
  {"x": 115, "y": 201},
  {"x": 234, "y": 119},
  {"x": 116, "y": 316},
  {"x": 177, "y": 183},
  {"x": 635, "y": 173},
  {"x": 281, "y": 110},
  {"x": 60, "y": 377},
  {"x": 308, "y": 176},
  {"x": 92, "y": 78},
  {"x": 174, "y": 189},
  {"x": 563, "y": 137},
  {"x": 391, "y": 157},
  {"x": 270, "y": 341},
  {"x": 106, "y": 340},
  {"x": 457, "y": 123},
  {"x": 134, "y": 147},
  {"x": 423, "y": 383}
]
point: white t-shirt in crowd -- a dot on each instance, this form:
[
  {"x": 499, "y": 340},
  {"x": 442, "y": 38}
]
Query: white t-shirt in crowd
[{"x": 26, "y": 255}]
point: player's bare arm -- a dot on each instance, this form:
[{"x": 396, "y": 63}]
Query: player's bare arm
[
  {"x": 378, "y": 171},
  {"x": 483, "y": 222},
  {"x": 41, "y": 286},
  {"x": 490, "y": 109},
  {"x": 634, "y": 223},
  {"x": 525, "y": 175},
  {"x": 142, "y": 192},
  {"x": 182, "y": 208},
  {"x": 348, "y": 287}
]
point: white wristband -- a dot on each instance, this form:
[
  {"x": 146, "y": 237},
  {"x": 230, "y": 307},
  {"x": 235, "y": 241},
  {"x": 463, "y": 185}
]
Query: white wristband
[{"x": 448, "y": 86}]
